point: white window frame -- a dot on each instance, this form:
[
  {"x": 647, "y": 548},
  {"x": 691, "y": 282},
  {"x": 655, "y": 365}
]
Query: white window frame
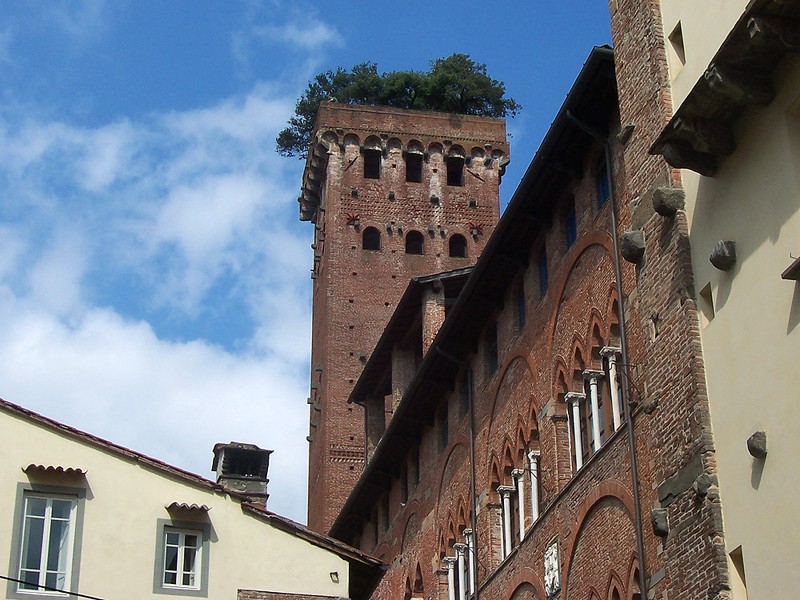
[
  {"x": 202, "y": 530},
  {"x": 181, "y": 546},
  {"x": 77, "y": 497},
  {"x": 63, "y": 569}
]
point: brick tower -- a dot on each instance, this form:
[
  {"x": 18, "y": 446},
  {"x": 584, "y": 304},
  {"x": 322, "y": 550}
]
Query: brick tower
[{"x": 392, "y": 194}]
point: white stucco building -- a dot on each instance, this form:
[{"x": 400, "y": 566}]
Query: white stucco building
[{"x": 86, "y": 516}]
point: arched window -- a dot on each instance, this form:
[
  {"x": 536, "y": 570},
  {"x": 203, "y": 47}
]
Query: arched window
[
  {"x": 458, "y": 246},
  {"x": 371, "y": 239},
  {"x": 415, "y": 243}
]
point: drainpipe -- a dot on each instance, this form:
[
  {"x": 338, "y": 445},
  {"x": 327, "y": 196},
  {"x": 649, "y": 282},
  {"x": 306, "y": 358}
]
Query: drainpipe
[{"x": 624, "y": 347}]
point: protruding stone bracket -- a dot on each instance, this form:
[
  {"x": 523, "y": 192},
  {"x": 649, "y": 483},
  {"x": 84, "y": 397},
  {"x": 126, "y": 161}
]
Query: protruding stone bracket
[
  {"x": 723, "y": 256},
  {"x": 659, "y": 519},
  {"x": 681, "y": 155},
  {"x": 632, "y": 246},
  {"x": 668, "y": 201},
  {"x": 705, "y": 136},
  {"x": 757, "y": 445},
  {"x": 781, "y": 32},
  {"x": 740, "y": 85}
]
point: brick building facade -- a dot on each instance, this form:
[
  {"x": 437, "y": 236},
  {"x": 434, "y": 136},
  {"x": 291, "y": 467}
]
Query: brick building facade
[
  {"x": 392, "y": 194},
  {"x": 529, "y": 400},
  {"x": 554, "y": 437}
]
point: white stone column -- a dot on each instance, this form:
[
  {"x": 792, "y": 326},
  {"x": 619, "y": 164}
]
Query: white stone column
[
  {"x": 574, "y": 399},
  {"x": 518, "y": 474},
  {"x": 460, "y": 549},
  {"x": 470, "y": 559},
  {"x": 505, "y": 492},
  {"x": 611, "y": 354},
  {"x": 533, "y": 463},
  {"x": 593, "y": 377},
  {"x": 450, "y": 561}
]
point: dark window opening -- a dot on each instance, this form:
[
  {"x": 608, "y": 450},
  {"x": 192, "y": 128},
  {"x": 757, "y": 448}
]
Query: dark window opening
[
  {"x": 414, "y": 167},
  {"x": 372, "y": 164},
  {"x": 542, "y": 272},
  {"x": 371, "y": 239},
  {"x": 603, "y": 185},
  {"x": 443, "y": 428},
  {"x": 415, "y": 465},
  {"x": 491, "y": 348},
  {"x": 466, "y": 390},
  {"x": 458, "y": 246},
  {"x": 455, "y": 171},
  {"x": 571, "y": 226},
  {"x": 415, "y": 243}
]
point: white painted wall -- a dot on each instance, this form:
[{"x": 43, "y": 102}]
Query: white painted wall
[
  {"x": 752, "y": 346},
  {"x": 124, "y": 502},
  {"x": 705, "y": 25}
]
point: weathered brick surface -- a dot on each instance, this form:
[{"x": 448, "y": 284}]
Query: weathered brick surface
[
  {"x": 519, "y": 406},
  {"x": 356, "y": 290}
]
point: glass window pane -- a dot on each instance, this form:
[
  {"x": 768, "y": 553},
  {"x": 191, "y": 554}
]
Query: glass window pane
[
  {"x": 171, "y": 559},
  {"x": 35, "y": 506},
  {"x": 31, "y": 578},
  {"x": 57, "y": 547},
  {"x": 61, "y": 509},
  {"x": 188, "y": 579},
  {"x": 191, "y": 540},
  {"x": 170, "y": 578},
  {"x": 188, "y": 559},
  {"x": 172, "y": 538},
  {"x": 32, "y": 544}
]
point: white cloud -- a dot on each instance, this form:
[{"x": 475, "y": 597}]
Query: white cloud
[
  {"x": 308, "y": 34},
  {"x": 174, "y": 214},
  {"x": 116, "y": 379}
]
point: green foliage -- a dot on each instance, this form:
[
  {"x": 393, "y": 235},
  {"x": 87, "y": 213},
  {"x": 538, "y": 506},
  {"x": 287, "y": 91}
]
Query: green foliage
[{"x": 454, "y": 84}]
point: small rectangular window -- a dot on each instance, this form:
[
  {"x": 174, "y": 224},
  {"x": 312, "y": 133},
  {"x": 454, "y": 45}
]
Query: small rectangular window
[
  {"x": 414, "y": 167},
  {"x": 444, "y": 427},
  {"x": 181, "y": 554},
  {"x": 542, "y": 272},
  {"x": 491, "y": 348},
  {"x": 571, "y": 227},
  {"x": 182, "y": 559},
  {"x": 603, "y": 185},
  {"x": 372, "y": 164}
]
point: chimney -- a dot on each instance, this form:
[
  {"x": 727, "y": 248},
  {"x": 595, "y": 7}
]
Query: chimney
[{"x": 242, "y": 468}]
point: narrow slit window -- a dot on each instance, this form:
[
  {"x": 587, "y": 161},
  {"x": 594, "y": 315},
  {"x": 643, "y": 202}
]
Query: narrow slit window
[
  {"x": 542, "y": 272},
  {"x": 571, "y": 226},
  {"x": 602, "y": 184}
]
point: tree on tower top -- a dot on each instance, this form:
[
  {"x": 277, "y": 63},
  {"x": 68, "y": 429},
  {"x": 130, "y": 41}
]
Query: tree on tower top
[{"x": 455, "y": 84}]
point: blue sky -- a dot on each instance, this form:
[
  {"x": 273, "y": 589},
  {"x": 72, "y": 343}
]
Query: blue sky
[{"x": 154, "y": 278}]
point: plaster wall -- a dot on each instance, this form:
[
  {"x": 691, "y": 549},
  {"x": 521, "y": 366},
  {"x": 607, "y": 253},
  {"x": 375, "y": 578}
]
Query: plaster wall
[
  {"x": 124, "y": 500},
  {"x": 752, "y": 342},
  {"x": 704, "y": 25}
]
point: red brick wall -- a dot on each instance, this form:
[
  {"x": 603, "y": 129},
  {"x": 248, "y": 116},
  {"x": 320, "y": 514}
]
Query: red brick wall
[{"x": 356, "y": 291}]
